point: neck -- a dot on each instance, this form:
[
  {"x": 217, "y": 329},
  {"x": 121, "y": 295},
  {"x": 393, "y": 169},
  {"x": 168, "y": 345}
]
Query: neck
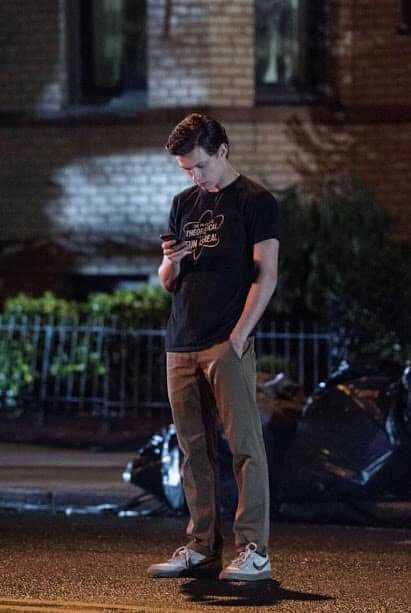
[{"x": 229, "y": 176}]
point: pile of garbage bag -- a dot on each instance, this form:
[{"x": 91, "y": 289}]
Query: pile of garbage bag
[{"x": 350, "y": 441}]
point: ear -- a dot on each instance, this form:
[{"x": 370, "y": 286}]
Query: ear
[{"x": 223, "y": 150}]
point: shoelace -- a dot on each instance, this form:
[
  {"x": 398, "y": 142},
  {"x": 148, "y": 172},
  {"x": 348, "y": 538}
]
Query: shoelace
[
  {"x": 243, "y": 555},
  {"x": 181, "y": 552}
]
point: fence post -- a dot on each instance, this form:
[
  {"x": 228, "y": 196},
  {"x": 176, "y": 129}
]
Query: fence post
[
  {"x": 48, "y": 329},
  {"x": 301, "y": 356}
]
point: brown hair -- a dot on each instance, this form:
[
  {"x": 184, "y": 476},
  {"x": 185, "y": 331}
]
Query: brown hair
[{"x": 197, "y": 130}]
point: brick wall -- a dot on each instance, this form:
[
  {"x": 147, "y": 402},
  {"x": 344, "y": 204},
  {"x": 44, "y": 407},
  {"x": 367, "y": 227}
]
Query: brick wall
[
  {"x": 298, "y": 149},
  {"x": 204, "y": 56},
  {"x": 178, "y": 53},
  {"x": 77, "y": 186},
  {"x": 32, "y": 44},
  {"x": 231, "y": 54},
  {"x": 207, "y": 56},
  {"x": 382, "y": 159},
  {"x": 381, "y": 57},
  {"x": 341, "y": 50},
  {"x": 83, "y": 187}
]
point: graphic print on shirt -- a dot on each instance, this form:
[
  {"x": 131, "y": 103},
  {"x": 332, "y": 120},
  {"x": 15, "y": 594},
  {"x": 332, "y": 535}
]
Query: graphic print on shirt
[{"x": 203, "y": 233}]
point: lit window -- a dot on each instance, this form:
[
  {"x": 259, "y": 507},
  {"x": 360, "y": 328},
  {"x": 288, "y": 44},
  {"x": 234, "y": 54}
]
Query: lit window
[
  {"x": 290, "y": 49},
  {"x": 111, "y": 57},
  {"x": 405, "y": 17}
]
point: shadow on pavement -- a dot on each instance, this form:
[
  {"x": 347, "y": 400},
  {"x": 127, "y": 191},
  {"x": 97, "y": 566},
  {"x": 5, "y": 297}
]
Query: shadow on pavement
[{"x": 242, "y": 594}]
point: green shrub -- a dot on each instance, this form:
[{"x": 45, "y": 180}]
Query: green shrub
[
  {"x": 46, "y": 305},
  {"x": 83, "y": 361},
  {"x": 340, "y": 265},
  {"x": 129, "y": 307},
  {"x": 16, "y": 373},
  {"x": 122, "y": 308}
]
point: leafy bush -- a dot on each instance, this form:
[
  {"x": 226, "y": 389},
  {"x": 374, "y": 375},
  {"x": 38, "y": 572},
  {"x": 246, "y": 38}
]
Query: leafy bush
[
  {"x": 125, "y": 308},
  {"x": 129, "y": 307},
  {"x": 83, "y": 361},
  {"x": 46, "y": 305},
  {"x": 16, "y": 373},
  {"x": 340, "y": 264}
]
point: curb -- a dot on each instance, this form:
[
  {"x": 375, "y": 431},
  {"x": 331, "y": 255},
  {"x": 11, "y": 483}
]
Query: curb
[
  {"x": 395, "y": 514},
  {"x": 42, "y": 499}
]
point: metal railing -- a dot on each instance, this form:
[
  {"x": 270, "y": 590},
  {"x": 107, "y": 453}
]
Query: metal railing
[
  {"x": 108, "y": 370},
  {"x": 305, "y": 349}
]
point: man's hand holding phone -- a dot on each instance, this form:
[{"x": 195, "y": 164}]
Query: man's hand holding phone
[{"x": 173, "y": 249}]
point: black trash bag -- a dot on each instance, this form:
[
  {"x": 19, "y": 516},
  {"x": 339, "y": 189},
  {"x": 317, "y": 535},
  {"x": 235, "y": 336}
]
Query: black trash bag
[
  {"x": 353, "y": 440},
  {"x": 156, "y": 468},
  {"x": 406, "y": 399},
  {"x": 280, "y": 401},
  {"x": 281, "y": 386}
]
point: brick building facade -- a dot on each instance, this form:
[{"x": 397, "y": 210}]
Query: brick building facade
[{"x": 86, "y": 187}]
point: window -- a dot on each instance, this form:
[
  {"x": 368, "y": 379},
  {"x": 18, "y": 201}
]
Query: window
[
  {"x": 110, "y": 58},
  {"x": 405, "y": 17},
  {"x": 290, "y": 50},
  {"x": 81, "y": 285}
]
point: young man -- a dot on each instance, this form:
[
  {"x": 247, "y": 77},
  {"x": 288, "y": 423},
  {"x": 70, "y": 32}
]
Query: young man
[{"x": 221, "y": 266}]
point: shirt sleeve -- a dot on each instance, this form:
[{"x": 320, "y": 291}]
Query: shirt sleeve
[{"x": 263, "y": 218}]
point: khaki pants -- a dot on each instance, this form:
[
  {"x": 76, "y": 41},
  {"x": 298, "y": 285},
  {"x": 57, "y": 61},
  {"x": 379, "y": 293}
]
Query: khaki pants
[{"x": 199, "y": 383}]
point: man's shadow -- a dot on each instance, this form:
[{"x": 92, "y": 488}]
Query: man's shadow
[{"x": 243, "y": 594}]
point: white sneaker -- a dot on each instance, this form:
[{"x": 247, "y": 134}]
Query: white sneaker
[
  {"x": 248, "y": 566},
  {"x": 187, "y": 562}
]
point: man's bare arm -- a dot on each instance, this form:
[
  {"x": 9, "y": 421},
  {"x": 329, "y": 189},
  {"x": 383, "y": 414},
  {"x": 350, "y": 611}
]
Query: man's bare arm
[
  {"x": 173, "y": 253},
  {"x": 265, "y": 255}
]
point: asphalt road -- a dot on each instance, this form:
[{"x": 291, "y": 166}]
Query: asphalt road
[{"x": 54, "y": 562}]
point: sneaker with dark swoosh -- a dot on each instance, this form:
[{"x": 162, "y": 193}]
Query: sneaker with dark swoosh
[
  {"x": 249, "y": 565},
  {"x": 185, "y": 562}
]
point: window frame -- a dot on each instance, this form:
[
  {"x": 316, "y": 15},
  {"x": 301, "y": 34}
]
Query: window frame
[
  {"x": 82, "y": 93},
  {"x": 404, "y": 26},
  {"x": 313, "y": 89}
]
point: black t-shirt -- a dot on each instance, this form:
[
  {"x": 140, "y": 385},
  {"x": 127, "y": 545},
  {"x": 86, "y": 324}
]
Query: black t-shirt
[{"x": 214, "y": 280}]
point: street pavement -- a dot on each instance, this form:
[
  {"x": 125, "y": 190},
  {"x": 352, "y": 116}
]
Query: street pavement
[
  {"x": 53, "y": 562},
  {"x": 62, "y": 557},
  {"x": 53, "y": 478}
]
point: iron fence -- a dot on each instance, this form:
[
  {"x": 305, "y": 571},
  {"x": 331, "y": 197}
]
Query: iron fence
[{"x": 105, "y": 369}]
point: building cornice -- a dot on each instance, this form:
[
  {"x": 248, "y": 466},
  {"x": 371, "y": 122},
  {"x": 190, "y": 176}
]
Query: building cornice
[{"x": 321, "y": 114}]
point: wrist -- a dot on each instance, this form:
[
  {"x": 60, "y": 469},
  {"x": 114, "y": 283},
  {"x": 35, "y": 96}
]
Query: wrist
[{"x": 239, "y": 335}]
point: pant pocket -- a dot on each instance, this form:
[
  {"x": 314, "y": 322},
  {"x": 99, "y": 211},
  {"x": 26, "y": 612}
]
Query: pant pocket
[{"x": 247, "y": 348}]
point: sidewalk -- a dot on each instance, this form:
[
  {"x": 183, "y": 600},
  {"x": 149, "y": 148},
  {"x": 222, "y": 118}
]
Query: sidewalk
[{"x": 53, "y": 478}]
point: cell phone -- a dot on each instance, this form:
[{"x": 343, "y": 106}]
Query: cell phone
[{"x": 168, "y": 236}]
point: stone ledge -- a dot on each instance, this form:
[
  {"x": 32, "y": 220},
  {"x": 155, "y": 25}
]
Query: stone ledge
[{"x": 153, "y": 118}]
